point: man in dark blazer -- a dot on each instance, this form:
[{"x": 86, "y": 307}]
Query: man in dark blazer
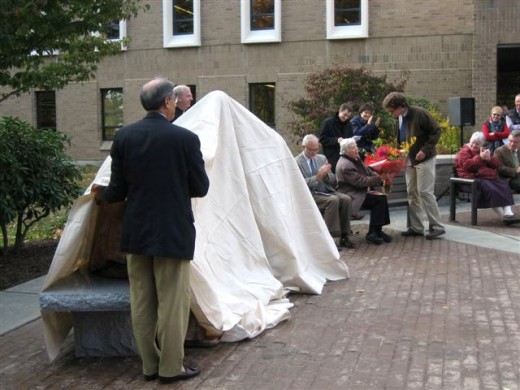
[
  {"x": 333, "y": 130},
  {"x": 158, "y": 167},
  {"x": 416, "y": 122},
  {"x": 321, "y": 181},
  {"x": 509, "y": 155}
]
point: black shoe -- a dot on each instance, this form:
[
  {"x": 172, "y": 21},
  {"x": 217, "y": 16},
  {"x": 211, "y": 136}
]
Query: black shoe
[
  {"x": 435, "y": 233},
  {"x": 189, "y": 372},
  {"x": 510, "y": 219},
  {"x": 152, "y": 377},
  {"x": 385, "y": 237},
  {"x": 373, "y": 238},
  {"x": 345, "y": 242},
  {"x": 411, "y": 233},
  {"x": 338, "y": 247}
]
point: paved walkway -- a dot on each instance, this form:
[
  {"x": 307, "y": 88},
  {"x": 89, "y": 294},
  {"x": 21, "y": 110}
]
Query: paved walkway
[{"x": 416, "y": 314}]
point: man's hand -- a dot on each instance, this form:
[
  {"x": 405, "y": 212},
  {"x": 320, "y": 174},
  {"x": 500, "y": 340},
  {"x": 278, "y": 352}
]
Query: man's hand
[
  {"x": 323, "y": 172},
  {"x": 98, "y": 191},
  {"x": 420, "y": 156}
]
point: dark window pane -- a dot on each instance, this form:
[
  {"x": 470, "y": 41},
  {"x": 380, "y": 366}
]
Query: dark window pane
[
  {"x": 112, "y": 112},
  {"x": 182, "y": 17},
  {"x": 112, "y": 30},
  {"x": 261, "y": 101},
  {"x": 46, "y": 110},
  {"x": 347, "y": 12},
  {"x": 262, "y": 14}
]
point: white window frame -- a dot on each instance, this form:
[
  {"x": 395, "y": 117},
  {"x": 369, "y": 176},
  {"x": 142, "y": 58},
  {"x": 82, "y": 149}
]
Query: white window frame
[
  {"x": 187, "y": 40},
  {"x": 122, "y": 34},
  {"x": 260, "y": 36},
  {"x": 347, "y": 32}
]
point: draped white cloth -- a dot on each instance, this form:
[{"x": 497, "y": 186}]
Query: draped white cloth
[{"x": 259, "y": 232}]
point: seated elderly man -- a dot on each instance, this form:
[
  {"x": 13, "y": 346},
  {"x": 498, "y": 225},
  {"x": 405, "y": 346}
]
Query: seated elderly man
[
  {"x": 508, "y": 155},
  {"x": 322, "y": 184},
  {"x": 354, "y": 179}
]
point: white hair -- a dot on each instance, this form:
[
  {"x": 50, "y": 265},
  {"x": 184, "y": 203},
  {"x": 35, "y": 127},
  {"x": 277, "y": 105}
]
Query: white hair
[
  {"x": 308, "y": 138},
  {"x": 479, "y": 137},
  {"x": 345, "y": 144},
  {"x": 180, "y": 90}
]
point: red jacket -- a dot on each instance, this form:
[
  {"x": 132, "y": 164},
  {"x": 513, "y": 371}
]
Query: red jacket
[
  {"x": 469, "y": 165},
  {"x": 495, "y": 136}
]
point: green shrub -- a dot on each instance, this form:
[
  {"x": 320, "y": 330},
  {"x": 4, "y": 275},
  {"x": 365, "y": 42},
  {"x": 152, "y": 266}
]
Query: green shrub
[
  {"x": 328, "y": 88},
  {"x": 449, "y": 143},
  {"x": 37, "y": 177}
]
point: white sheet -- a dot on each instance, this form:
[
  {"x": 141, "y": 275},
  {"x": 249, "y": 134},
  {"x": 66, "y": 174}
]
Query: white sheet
[{"x": 259, "y": 232}]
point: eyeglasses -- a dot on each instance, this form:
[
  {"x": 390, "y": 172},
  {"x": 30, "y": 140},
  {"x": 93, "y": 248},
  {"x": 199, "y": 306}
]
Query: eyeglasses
[{"x": 495, "y": 114}]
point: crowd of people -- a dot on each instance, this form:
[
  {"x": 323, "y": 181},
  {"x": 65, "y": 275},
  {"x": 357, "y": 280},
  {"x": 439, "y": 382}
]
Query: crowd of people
[
  {"x": 149, "y": 162},
  {"x": 344, "y": 182}
]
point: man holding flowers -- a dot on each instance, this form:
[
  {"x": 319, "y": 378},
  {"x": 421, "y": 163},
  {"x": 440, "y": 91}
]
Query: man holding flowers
[{"x": 412, "y": 121}]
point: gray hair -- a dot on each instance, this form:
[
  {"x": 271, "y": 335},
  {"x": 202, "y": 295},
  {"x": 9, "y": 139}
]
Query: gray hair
[
  {"x": 180, "y": 90},
  {"x": 345, "y": 144},
  {"x": 515, "y": 133},
  {"x": 479, "y": 137},
  {"x": 154, "y": 93},
  {"x": 308, "y": 138}
]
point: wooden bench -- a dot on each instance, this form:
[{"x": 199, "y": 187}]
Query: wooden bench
[
  {"x": 101, "y": 313},
  {"x": 461, "y": 188}
]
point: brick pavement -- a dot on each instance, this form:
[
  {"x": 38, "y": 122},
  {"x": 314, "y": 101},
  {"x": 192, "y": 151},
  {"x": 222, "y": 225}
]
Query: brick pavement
[{"x": 416, "y": 314}]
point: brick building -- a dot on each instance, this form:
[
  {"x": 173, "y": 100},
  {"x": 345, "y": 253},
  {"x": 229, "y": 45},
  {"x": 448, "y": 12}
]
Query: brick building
[{"x": 260, "y": 51}]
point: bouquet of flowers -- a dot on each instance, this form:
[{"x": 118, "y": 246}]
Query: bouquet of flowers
[{"x": 390, "y": 161}]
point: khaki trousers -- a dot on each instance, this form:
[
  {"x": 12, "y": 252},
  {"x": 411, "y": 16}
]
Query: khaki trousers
[
  {"x": 160, "y": 310},
  {"x": 420, "y": 185},
  {"x": 336, "y": 209}
]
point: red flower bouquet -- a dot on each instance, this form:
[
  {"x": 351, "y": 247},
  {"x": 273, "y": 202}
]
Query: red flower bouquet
[{"x": 387, "y": 160}]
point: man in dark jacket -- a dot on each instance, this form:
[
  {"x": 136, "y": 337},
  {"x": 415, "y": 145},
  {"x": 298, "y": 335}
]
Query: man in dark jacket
[
  {"x": 333, "y": 130},
  {"x": 158, "y": 167},
  {"x": 416, "y": 122}
]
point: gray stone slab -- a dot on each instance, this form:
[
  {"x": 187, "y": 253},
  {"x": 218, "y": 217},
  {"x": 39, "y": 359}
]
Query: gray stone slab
[
  {"x": 102, "y": 334},
  {"x": 86, "y": 292}
]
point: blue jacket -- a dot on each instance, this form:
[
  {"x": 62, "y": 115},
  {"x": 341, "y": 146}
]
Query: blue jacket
[{"x": 367, "y": 132}]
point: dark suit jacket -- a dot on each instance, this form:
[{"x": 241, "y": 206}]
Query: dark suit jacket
[
  {"x": 422, "y": 126},
  {"x": 331, "y": 129},
  {"x": 157, "y": 167}
]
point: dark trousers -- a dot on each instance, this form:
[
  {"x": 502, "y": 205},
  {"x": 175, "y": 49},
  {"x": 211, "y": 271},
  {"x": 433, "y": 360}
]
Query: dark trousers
[{"x": 379, "y": 213}]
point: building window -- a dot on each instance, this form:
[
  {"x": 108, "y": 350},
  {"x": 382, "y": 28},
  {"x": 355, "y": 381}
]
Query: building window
[
  {"x": 111, "y": 112},
  {"x": 508, "y": 74},
  {"x": 46, "y": 110},
  {"x": 116, "y": 31},
  {"x": 261, "y": 102},
  {"x": 261, "y": 21},
  {"x": 262, "y": 14},
  {"x": 347, "y": 19},
  {"x": 181, "y": 23}
]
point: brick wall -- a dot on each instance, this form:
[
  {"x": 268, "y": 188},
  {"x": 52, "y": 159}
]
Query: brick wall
[{"x": 447, "y": 49}]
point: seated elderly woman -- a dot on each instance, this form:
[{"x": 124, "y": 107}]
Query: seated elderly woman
[
  {"x": 354, "y": 179},
  {"x": 473, "y": 161}
]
